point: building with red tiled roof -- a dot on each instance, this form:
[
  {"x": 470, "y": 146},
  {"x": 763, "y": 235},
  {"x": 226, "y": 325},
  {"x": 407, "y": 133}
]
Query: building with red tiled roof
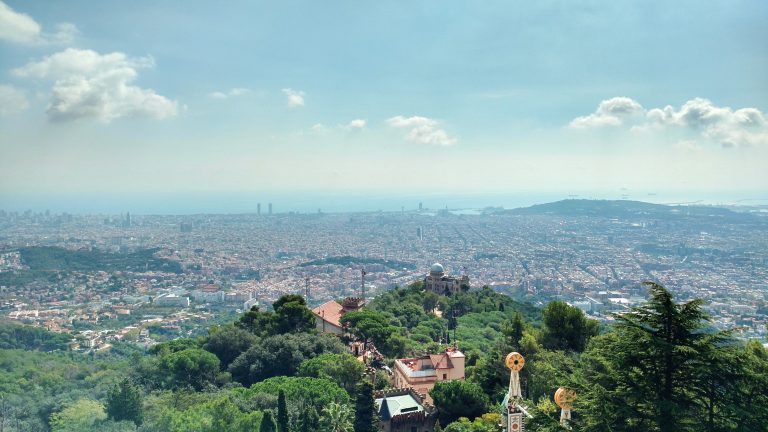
[
  {"x": 328, "y": 315},
  {"x": 421, "y": 373}
]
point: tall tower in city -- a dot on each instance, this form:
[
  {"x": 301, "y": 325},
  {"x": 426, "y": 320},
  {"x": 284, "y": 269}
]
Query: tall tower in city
[
  {"x": 258, "y": 209},
  {"x": 421, "y": 207},
  {"x": 269, "y": 210}
]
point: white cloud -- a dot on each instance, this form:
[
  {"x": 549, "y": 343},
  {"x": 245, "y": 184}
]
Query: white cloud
[
  {"x": 234, "y": 92},
  {"x": 88, "y": 84},
  {"x": 352, "y": 126},
  {"x": 422, "y": 130},
  {"x": 16, "y": 27},
  {"x": 12, "y": 100},
  {"x": 295, "y": 97},
  {"x": 699, "y": 118},
  {"x": 320, "y": 129},
  {"x": 611, "y": 112},
  {"x": 356, "y": 124}
]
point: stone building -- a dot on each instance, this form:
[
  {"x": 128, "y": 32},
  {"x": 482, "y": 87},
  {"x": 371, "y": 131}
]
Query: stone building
[{"x": 438, "y": 282}]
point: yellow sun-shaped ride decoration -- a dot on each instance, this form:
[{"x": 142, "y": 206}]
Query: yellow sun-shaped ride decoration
[{"x": 515, "y": 361}]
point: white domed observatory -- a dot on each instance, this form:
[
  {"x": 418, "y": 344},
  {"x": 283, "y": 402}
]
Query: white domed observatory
[{"x": 438, "y": 282}]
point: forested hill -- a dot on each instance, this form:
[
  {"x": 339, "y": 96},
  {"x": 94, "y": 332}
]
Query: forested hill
[
  {"x": 661, "y": 367},
  {"x": 43, "y": 262},
  {"x": 624, "y": 209}
]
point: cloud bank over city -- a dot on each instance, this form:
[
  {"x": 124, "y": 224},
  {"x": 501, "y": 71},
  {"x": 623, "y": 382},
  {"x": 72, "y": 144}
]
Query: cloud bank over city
[
  {"x": 698, "y": 117},
  {"x": 494, "y": 105}
]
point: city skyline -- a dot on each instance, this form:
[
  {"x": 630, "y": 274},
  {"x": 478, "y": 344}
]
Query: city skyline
[{"x": 385, "y": 99}]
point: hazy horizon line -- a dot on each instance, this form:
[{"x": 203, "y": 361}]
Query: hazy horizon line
[{"x": 307, "y": 202}]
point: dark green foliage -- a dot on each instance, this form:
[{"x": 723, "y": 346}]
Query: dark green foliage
[
  {"x": 199, "y": 412},
  {"x": 429, "y": 301},
  {"x": 566, "y": 328},
  {"x": 369, "y": 325},
  {"x": 282, "y": 412},
  {"x": 268, "y": 423},
  {"x": 45, "y": 261},
  {"x": 193, "y": 367},
  {"x": 281, "y": 355},
  {"x": 257, "y": 322},
  {"x": 125, "y": 402},
  {"x": 366, "y": 417},
  {"x": 33, "y": 384},
  {"x": 173, "y": 346},
  {"x": 406, "y": 313},
  {"x": 228, "y": 342},
  {"x": 513, "y": 331},
  {"x": 348, "y": 261},
  {"x": 458, "y": 398},
  {"x": 663, "y": 369},
  {"x": 291, "y": 315},
  {"x": 344, "y": 369},
  {"x": 15, "y": 336},
  {"x": 302, "y": 392},
  {"x": 309, "y": 420}
]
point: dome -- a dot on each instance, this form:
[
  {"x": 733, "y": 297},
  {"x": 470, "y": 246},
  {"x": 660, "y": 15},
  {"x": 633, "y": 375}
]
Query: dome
[{"x": 436, "y": 269}]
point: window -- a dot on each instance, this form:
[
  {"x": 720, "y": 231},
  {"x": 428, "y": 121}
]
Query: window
[{"x": 445, "y": 377}]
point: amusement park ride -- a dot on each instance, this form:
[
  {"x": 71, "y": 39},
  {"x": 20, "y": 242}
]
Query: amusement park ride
[{"x": 513, "y": 413}]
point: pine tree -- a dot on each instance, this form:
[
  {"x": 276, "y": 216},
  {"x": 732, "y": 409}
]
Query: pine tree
[
  {"x": 658, "y": 371},
  {"x": 661, "y": 336},
  {"x": 268, "y": 423},
  {"x": 282, "y": 412},
  {"x": 125, "y": 402},
  {"x": 309, "y": 420},
  {"x": 366, "y": 417}
]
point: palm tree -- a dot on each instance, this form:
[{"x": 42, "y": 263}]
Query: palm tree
[{"x": 336, "y": 418}]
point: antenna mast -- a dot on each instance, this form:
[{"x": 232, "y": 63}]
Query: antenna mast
[
  {"x": 362, "y": 284},
  {"x": 306, "y": 290}
]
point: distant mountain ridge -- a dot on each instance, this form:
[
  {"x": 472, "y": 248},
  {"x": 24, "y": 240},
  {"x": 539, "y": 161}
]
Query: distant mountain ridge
[{"x": 626, "y": 209}]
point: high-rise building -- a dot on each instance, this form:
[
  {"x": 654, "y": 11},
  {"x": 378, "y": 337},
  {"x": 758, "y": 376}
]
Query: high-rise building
[
  {"x": 270, "y": 208},
  {"x": 258, "y": 209},
  {"x": 421, "y": 207}
]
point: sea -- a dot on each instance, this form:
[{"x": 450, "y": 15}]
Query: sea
[{"x": 238, "y": 202}]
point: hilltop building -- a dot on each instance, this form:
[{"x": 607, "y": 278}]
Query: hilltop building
[
  {"x": 328, "y": 315},
  {"x": 421, "y": 373},
  {"x": 438, "y": 282},
  {"x": 404, "y": 410}
]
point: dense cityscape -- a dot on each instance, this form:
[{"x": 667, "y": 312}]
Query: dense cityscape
[
  {"x": 383, "y": 216},
  {"x": 198, "y": 269}
]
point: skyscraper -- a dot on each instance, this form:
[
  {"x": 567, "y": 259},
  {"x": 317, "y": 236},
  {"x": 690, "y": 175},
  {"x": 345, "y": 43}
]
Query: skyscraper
[
  {"x": 270, "y": 208},
  {"x": 258, "y": 209}
]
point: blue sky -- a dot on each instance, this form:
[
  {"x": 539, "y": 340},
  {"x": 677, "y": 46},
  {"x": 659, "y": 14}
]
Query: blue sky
[{"x": 383, "y": 97}]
